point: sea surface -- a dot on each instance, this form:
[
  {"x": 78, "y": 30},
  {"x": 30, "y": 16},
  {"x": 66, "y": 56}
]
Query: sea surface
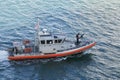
[{"x": 99, "y": 20}]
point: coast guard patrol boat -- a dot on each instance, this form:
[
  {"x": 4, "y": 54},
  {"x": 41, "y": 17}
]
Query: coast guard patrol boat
[{"x": 48, "y": 45}]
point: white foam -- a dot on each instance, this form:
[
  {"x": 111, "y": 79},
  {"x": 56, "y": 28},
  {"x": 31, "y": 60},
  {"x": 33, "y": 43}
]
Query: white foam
[{"x": 3, "y": 55}]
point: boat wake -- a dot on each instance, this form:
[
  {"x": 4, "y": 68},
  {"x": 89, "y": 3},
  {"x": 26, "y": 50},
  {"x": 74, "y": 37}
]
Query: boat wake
[
  {"x": 3, "y": 55},
  {"x": 36, "y": 61}
]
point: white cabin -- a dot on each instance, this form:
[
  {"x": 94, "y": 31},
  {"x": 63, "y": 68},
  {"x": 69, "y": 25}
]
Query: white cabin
[{"x": 51, "y": 43}]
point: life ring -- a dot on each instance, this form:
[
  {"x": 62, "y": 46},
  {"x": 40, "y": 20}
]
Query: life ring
[{"x": 26, "y": 41}]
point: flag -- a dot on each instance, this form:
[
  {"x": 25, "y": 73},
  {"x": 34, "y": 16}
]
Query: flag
[{"x": 37, "y": 25}]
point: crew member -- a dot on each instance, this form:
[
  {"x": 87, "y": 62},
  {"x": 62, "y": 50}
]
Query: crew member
[
  {"x": 77, "y": 38},
  {"x": 15, "y": 50}
]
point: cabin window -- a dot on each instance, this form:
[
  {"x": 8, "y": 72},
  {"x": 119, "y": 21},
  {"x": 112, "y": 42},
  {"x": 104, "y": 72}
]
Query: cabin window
[
  {"x": 43, "y": 42},
  {"x": 49, "y": 41},
  {"x": 55, "y": 41},
  {"x": 55, "y": 37},
  {"x": 59, "y": 40}
]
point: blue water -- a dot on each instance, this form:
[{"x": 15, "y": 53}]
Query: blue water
[{"x": 98, "y": 19}]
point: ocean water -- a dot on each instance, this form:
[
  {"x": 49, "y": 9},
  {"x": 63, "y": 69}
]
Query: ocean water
[{"x": 99, "y": 20}]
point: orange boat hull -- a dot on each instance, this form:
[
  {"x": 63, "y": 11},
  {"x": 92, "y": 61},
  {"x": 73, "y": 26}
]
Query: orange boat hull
[{"x": 59, "y": 54}]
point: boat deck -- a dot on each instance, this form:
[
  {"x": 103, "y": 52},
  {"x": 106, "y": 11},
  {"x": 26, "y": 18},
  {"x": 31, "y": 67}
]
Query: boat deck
[{"x": 35, "y": 52}]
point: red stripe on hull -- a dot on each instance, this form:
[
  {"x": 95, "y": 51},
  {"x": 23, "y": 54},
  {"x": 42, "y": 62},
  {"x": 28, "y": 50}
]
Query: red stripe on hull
[{"x": 60, "y": 54}]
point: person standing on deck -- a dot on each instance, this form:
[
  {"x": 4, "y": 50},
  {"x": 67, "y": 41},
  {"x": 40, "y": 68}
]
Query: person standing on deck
[
  {"x": 15, "y": 50},
  {"x": 77, "y": 38}
]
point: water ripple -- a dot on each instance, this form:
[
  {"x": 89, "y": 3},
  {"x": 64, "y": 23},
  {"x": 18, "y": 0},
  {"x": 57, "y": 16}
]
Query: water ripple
[{"x": 98, "y": 20}]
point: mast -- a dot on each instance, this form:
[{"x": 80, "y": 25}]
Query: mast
[{"x": 36, "y": 35}]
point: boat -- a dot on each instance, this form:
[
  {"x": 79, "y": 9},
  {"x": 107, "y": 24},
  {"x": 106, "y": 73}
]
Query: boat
[{"x": 49, "y": 45}]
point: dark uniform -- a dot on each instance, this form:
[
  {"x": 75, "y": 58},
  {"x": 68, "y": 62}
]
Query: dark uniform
[
  {"x": 77, "y": 37},
  {"x": 15, "y": 50}
]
